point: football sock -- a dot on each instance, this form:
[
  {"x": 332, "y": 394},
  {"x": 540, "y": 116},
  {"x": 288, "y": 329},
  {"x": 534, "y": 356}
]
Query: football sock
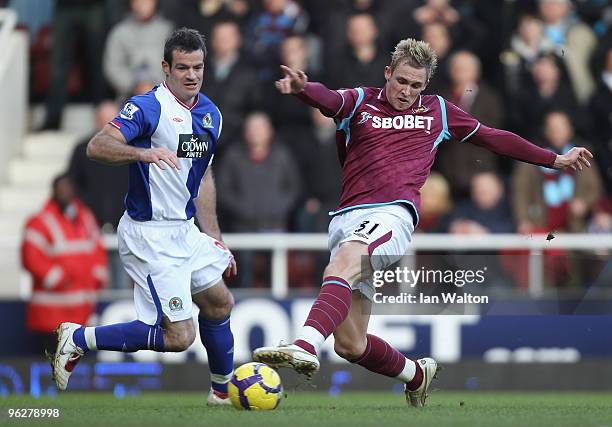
[
  {"x": 412, "y": 375},
  {"x": 328, "y": 311},
  {"x": 383, "y": 359},
  {"x": 217, "y": 337},
  {"x": 78, "y": 337},
  {"x": 310, "y": 339},
  {"x": 125, "y": 337}
]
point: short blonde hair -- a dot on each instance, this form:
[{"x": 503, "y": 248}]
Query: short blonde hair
[{"x": 415, "y": 53}]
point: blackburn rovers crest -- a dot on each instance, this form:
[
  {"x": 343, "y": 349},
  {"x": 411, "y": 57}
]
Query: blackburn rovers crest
[
  {"x": 207, "y": 121},
  {"x": 175, "y": 304}
]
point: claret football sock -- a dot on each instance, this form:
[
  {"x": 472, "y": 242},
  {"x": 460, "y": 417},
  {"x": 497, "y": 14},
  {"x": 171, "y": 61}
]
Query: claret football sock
[
  {"x": 218, "y": 339},
  {"x": 125, "y": 337},
  {"x": 328, "y": 311},
  {"x": 412, "y": 375},
  {"x": 383, "y": 359}
]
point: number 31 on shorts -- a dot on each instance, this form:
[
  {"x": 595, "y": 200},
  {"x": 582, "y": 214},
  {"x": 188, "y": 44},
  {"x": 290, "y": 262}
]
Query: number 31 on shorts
[{"x": 366, "y": 228}]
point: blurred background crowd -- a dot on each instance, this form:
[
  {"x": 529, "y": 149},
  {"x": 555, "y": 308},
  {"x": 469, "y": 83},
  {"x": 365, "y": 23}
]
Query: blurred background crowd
[{"x": 540, "y": 68}]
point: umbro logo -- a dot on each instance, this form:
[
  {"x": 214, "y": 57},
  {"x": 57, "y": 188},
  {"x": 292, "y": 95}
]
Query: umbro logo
[{"x": 177, "y": 119}]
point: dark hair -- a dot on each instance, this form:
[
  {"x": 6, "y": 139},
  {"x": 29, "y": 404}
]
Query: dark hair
[
  {"x": 61, "y": 177},
  {"x": 184, "y": 40}
]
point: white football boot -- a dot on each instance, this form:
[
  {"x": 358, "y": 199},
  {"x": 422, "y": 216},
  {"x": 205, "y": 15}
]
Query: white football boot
[
  {"x": 288, "y": 356},
  {"x": 215, "y": 400},
  {"x": 430, "y": 371},
  {"x": 67, "y": 354}
]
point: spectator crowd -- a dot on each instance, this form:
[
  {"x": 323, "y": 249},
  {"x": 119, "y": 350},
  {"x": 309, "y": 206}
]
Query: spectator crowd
[{"x": 539, "y": 68}]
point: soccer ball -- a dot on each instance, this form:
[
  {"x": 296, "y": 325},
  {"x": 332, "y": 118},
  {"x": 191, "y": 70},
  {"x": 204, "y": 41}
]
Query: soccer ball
[{"x": 255, "y": 386}]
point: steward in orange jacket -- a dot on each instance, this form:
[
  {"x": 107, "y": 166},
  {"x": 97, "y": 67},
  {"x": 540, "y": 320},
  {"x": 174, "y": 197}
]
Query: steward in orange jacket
[{"x": 63, "y": 251}]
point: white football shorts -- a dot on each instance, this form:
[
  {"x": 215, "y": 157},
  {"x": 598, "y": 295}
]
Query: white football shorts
[
  {"x": 169, "y": 261},
  {"x": 387, "y": 230}
]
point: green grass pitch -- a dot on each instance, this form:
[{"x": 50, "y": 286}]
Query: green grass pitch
[{"x": 317, "y": 409}]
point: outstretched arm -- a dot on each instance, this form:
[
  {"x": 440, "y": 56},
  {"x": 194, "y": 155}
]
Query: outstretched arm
[
  {"x": 109, "y": 146},
  {"x": 317, "y": 95},
  {"x": 511, "y": 145}
]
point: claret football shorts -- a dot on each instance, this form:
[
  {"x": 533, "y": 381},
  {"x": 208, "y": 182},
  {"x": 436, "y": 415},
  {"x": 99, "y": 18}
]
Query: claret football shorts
[
  {"x": 169, "y": 261},
  {"x": 387, "y": 230}
]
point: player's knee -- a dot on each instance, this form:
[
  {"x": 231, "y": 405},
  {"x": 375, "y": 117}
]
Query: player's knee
[
  {"x": 342, "y": 267},
  {"x": 219, "y": 312},
  {"x": 349, "y": 349},
  {"x": 179, "y": 339},
  {"x": 220, "y": 309},
  {"x": 184, "y": 339},
  {"x": 347, "y": 262}
]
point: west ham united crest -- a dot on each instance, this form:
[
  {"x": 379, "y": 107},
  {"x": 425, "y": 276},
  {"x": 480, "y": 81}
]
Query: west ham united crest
[{"x": 207, "y": 121}]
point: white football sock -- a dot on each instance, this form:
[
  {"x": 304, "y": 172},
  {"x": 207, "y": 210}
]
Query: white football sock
[
  {"x": 90, "y": 338},
  {"x": 312, "y": 337},
  {"x": 408, "y": 372},
  {"x": 220, "y": 378}
]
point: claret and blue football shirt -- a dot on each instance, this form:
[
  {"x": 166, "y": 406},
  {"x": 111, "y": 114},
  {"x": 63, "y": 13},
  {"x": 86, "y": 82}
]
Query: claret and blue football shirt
[{"x": 386, "y": 154}]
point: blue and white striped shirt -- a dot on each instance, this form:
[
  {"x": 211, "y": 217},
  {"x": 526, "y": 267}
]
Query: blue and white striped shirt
[{"x": 159, "y": 119}]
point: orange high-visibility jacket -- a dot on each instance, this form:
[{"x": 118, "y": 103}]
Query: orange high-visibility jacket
[{"x": 68, "y": 264}]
